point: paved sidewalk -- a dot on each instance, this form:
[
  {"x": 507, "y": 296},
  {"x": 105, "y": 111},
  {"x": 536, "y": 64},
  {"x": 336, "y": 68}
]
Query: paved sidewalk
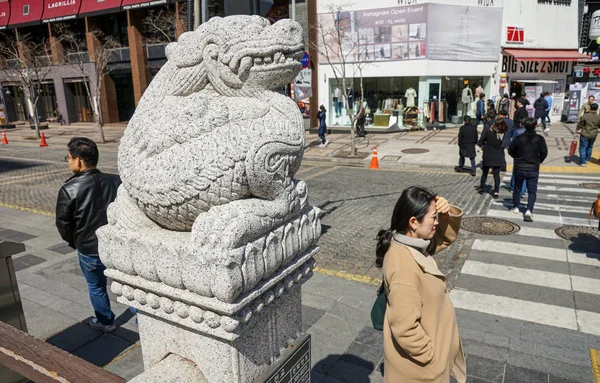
[
  {"x": 432, "y": 148},
  {"x": 345, "y": 347}
]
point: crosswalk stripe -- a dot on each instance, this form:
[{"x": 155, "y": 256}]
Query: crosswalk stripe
[
  {"x": 539, "y": 233},
  {"x": 519, "y": 275},
  {"x": 548, "y": 206},
  {"x": 541, "y": 218},
  {"x": 583, "y": 177},
  {"x": 590, "y": 259},
  {"x": 519, "y": 249},
  {"x": 515, "y": 308}
]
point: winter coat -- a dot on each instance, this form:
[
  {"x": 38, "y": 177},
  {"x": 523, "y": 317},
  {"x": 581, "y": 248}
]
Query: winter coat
[
  {"x": 467, "y": 138},
  {"x": 509, "y": 132},
  {"x": 589, "y": 125},
  {"x": 540, "y": 105},
  {"x": 504, "y": 106},
  {"x": 529, "y": 150},
  {"x": 520, "y": 115},
  {"x": 493, "y": 153},
  {"x": 322, "y": 116},
  {"x": 549, "y": 101},
  {"x": 421, "y": 342},
  {"x": 480, "y": 109}
]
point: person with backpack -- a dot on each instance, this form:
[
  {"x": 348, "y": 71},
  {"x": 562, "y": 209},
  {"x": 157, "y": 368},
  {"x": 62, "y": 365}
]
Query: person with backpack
[
  {"x": 541, "y": 105},
  {"x": 420, "y": 332}
]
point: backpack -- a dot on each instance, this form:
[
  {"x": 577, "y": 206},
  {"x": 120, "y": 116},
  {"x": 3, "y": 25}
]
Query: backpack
[{"x": 595, "y": 210}]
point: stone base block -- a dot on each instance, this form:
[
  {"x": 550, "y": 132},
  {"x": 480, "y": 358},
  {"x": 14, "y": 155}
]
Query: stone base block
[{"x": 238, "y": 361}]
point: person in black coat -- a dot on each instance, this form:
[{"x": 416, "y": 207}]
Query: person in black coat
[
  {"x": 322, "y": 117},
  {"x": 520, "y": 113},
  {"x": 493, "y": 155},
  {"x": 467, "y": 139},
  {"x": 540, "y": 106}
]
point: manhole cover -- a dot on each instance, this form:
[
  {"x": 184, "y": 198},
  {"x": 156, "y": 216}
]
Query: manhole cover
[
  {"x": 414, "y": 151},
  {"x": 489, "y": 226},
  {"x": 584, "y": 235},
  {"x": 590, "y": 185}
]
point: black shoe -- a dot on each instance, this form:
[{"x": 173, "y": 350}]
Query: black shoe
[
  {"x": 473, "y": 174},
  {"x": 479, "y": 189},
  {"x": 495, "y": 195},
  {"x": 457, "y": 169}
]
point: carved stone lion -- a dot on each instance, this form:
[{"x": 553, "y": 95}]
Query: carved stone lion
[{"x": 208, "y": 163}]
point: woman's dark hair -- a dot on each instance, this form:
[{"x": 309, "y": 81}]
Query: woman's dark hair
[
  {"x": 84, "y": 149},
  {"x": 414, "y": 202},
  {"x": 500, "y": 125}
]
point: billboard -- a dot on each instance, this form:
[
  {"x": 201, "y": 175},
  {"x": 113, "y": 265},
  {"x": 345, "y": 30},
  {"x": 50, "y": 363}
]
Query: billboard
[{"x": 427, "y": 31}]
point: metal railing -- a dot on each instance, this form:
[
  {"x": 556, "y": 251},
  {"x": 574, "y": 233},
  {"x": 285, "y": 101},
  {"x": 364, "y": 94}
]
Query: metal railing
[{"x": 78, "y": 57}]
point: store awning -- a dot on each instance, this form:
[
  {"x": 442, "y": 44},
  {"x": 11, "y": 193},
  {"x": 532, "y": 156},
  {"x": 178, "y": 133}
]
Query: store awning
[
  {"x": 4, "y": 13},
  {"x": 60, "y": 10},
  {"x": 99, "y": 7},
  {"x": 134, "y": 4},
  {"x": 25, "y": 12},
  {"x": 545, "y": 54}
]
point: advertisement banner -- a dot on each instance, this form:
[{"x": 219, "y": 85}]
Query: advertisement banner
[
  {"x": 574, "y": 98},
  {"x": 427, "y": 31},
  {"x": 460, "y": 33}
]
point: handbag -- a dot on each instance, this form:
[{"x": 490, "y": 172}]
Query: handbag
[
  {"x": 378, "y": 309},
  {"x": 573, "y": 147}
]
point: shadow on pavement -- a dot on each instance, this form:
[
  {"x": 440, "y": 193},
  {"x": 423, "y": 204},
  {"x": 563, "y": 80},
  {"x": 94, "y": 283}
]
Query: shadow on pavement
[
  {"x": 92, "y": 345},
  {"x": 7, "y": 165},
  {"x": 340, "y": 367}
]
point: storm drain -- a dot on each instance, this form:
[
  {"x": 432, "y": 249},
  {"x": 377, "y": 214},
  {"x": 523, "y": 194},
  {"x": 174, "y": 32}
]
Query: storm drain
[
  {"x": 489, "y": 226},
  {"x": 414, "y": 151}
]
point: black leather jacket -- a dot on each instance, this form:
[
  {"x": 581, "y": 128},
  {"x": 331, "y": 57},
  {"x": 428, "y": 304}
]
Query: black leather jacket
[{"x": 81, "y": 208}]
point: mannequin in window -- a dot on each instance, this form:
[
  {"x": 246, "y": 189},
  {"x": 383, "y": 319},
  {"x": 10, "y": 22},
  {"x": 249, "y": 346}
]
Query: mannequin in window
[
  {"x": 466, "y": 99},
  {"x": 337, "y": 101},
  {"x": 410, "y": 96}
]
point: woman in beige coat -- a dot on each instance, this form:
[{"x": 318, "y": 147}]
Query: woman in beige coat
[{"x": 420, "y": 334}]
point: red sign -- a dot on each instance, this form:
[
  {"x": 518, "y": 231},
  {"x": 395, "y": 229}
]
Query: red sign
[
  {"x": 97, "y": 7},
  {"x": 60, "y": 10},
  {"x": 4, "y": 13},
  {"x": 25, "y": 12},
  {"x": 515, "y": 35}
]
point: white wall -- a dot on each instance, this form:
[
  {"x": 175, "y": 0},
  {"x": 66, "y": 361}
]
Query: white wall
[
  {"x": 547, "y": 26},
  {"x": 372, "y": 4}
]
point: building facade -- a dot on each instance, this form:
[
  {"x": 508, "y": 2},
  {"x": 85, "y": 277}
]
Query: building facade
[{"x": 427, "y": 61}]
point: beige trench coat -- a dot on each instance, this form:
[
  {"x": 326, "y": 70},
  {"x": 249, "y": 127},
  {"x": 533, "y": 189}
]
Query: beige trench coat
[{"x": 421, "y": 341}]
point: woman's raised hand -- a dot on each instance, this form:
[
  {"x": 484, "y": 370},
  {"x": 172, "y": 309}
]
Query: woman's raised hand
[{"x": 441, "y": 205}]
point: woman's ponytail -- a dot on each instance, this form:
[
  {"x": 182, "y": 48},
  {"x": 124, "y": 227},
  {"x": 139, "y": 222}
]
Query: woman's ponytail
[{"x": 384, "y": 238}]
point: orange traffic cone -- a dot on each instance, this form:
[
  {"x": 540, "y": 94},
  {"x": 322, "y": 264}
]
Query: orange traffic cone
[
  {"x": 43, "y": 140},
  {"x": 4, "y": 139},
  {"x": 374, "y": 159}
]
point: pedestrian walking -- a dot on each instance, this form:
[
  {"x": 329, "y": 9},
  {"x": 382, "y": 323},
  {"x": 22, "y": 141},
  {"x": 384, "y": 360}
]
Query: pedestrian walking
[
  {"x": 480, "y": 112},
  {"x": 420, "y": 333},
  {"x": 529, "y": 150},
  {"x": 541, "y": 106},
  {"x": 322, "y": 116},
  {"x": 510, "y": 129},
  {"x": 360, "y": 121},
  {"x": 588, "y": 127},
  {"x": 467, "y": 139},
  {"x": 504, "y": 104},
  {"x": 80, "y": 210},
  {"x": 586, "y": 107},
  {"x": 520, "y": 113},
  {"x": 493, "y": 155},
  {"x": 510, "y": 135},
  {"x": 549, "y": 100}
]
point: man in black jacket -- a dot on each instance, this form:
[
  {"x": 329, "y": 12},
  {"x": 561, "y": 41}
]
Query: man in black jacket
[
  {"x": 467, "y": 139},
  {"x": 80, "y": 211},
  {"x": 529, "y": 150},
  {"x": 520, "y": 113}
]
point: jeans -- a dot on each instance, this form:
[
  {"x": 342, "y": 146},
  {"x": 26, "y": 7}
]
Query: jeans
[
  {"x": 531, "y": 178},
  {"x": 586, "y": 145},
  {"x": 93, "y": 271},
  {"x": 496, "y": 172},
  {"x": 322, "y": 135},
  {"x": 461, "y": 163},
  {"x": 512, "y": 185},
  {"x": 337, "y": 107},
  {"x": 543, "y": 122},
  {"x": 548, "y": 116}
]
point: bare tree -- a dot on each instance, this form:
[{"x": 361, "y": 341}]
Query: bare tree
[
  {"x": 30, "y": 65},
  {"x": 338, "y": 44},
  {"x": 160, "y": 26},
  {"x": 81, "y": 54}
]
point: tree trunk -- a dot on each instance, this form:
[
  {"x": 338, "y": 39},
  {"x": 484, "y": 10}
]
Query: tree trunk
[
  {"x": 34, "y": 116},
  {"x": 101, "y": 127},
  {"x": 352, "y": 133}
]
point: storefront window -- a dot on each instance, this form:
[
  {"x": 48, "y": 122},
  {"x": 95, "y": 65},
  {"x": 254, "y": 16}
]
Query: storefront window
[{"x": 455, "y": 95}]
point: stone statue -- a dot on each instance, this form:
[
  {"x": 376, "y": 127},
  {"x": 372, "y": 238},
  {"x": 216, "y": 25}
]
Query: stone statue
[{"x": 210, "y": 226}]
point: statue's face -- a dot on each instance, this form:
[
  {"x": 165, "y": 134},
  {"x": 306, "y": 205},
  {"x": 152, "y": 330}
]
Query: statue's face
[{"x": 265, "y": 56}]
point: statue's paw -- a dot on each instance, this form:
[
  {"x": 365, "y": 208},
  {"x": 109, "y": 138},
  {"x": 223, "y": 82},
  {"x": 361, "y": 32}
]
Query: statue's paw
[{"x": 227, "y": 282}]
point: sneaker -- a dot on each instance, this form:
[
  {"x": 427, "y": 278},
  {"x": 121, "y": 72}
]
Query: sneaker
[
  {"x": 326, "y": 143},
  {"x": 582, "y": 165},
  {"x": 93, "y": 323},
  {"x": 522, "y": 195},
  {"x": 528, "y": 216},
  {"x": 321, "y": 146},
  {"x": 546, "y": 130},
  {"x": 515, "y": 210}
]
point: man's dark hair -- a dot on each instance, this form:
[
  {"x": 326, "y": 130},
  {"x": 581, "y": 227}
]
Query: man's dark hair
[
  {"x": 594, "y": 106},
  {"x": 506, "y": 95},
  {"x": 503, "y": 113},
  {"x": 467, "y": 120},
  {"x": 530, "y": 123},
  {"x": 482, "y": 96},
  {"x": 84, "y": 149}
]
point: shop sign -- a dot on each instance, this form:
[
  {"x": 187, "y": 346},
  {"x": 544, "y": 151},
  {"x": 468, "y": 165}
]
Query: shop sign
[
  {"x": 515, "y": 35},
  {"x": 57, "y": 4},
  {"x": 580, "y": 71},
  {"x": 408, "y": 2},
  {"x": 511, "y": 65}
]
